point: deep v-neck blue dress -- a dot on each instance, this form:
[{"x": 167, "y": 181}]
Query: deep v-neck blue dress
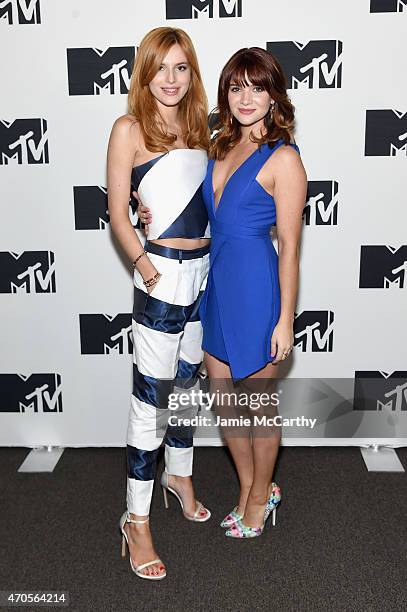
[{"x": 241, "y": 303}]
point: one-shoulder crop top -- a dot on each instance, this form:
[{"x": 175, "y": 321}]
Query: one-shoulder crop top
[{"x": 170, "y": 186}]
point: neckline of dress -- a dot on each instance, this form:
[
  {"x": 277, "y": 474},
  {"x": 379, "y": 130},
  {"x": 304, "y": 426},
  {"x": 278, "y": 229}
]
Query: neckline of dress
[
  {"x": 216, "y": 206},
  {"x": 259, "y": 149},
  {"x": 162, "y": 155}
]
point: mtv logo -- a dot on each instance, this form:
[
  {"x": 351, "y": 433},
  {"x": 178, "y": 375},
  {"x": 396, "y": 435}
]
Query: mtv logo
[
  {"x": 380, "y": 391},
  {"x": 382, "y": 266},
  {"x": 195, "y": 9},
  {"x": 322, "y": 203},
  {"x": 23, "y": 141},
  {"x": 23, "y": 12},
  {"x": 90, "y": 205},
  {"x": 387, "y": 6},
  {"x": 32, "y": 393},
  {"x": 28, "y": 272},
  {"x": 316, "y": 64},
  {"x": 95, "y": 72},
  {"x": 91, "y": 208},
  {"x": 103, "y": 334},
  {"x": 386, "y": 133},
  {"x": 313, "y": 331}
]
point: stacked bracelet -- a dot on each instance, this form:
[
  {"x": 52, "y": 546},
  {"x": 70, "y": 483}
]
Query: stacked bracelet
[
  {"x": 137, "y": 258},
  {"x": 152, "y": 281}
]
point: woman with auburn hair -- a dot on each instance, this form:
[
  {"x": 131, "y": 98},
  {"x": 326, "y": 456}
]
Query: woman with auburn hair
[
  {"x": 167, "y": 116},
  {"x": 255, "y": 179}
]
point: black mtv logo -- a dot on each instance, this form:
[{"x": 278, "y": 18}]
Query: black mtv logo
[
  {"x": 382, "y": 266},
  {"x": 94, "y": 72},
  {"x": 377, "y": 390},
  {"x": 90, "y": 205},
  {"x": 24, "y": 12},
  {"x": 103, "y": 334},
  {"x": 24, "y": 141},
  {"x": 313, "y": 65},
  {"x": 91, "y": 209},
  {"x": 33, "y": 393},
  {"x": 29, "y": 272},
  {"x": 387, "y": 6},
  {"x": 313, "y": 331},
  {"x": 322, "y": 203},
  {"x": 194, "y": 9},
  {"x": 386, "y": 133}
]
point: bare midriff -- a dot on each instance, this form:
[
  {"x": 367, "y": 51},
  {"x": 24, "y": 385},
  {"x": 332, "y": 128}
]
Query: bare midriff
[{"x": 182, "y": 243}]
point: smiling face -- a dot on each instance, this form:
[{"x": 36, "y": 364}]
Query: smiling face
[
  {"x": 248, "y": 103},
  {"x": 173, "y": 78}
]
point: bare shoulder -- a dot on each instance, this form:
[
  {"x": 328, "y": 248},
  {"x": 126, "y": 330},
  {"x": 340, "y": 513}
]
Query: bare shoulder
[
  {"x": 286, "y": 156},
  {"x": 286, "y": 163},
  {"x": 125, "y": 138},
  {"x": 126, "y": 126}
]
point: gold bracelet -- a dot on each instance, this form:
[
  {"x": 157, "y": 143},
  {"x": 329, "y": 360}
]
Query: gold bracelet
[
  {"x": 137, "y": 258},
  {"x": 152, "y": 281}
]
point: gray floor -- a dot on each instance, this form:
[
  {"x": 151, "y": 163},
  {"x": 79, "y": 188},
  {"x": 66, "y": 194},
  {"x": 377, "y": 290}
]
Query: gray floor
[{"x": 339, "y": 542}]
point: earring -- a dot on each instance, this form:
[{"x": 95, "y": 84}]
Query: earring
[
  {"x": 231, "y": 119},
  {"x": 272, "y": 107}
]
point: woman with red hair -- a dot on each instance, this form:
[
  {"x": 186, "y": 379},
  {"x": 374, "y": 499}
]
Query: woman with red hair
[{"x": 160, "y": 148}]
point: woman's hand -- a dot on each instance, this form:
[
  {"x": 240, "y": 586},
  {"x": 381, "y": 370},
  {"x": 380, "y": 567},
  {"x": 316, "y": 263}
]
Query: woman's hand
[
  {"x": 143, "y": 212},
  {"x": 282, "y": 341}
]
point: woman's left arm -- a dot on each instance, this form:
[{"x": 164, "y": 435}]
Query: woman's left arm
[{"x": 290, "y": 190}]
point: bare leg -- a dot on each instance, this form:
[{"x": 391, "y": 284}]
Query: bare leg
[
  {"x": 266, "y": 444},
  {"x": 239, "y": 447}
]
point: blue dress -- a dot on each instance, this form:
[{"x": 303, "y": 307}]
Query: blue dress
[{"x": 241, "y": 303}]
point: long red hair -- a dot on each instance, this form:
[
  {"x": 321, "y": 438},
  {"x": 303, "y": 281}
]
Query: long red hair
[
  {"x": 261, "y": 68},
  {"x": 193, "y": 108}
]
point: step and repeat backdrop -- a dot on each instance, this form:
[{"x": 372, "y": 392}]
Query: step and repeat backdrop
[{"x": 66, "y": 287}]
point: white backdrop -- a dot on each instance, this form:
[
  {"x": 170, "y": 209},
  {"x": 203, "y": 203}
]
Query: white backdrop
[{"x": 60, "y": 339}]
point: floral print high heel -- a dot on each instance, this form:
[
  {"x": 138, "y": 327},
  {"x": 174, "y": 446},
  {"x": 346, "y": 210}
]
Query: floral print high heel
[
  {"x": 240, "y": 530},
  {"x": 231, "y": 518}
]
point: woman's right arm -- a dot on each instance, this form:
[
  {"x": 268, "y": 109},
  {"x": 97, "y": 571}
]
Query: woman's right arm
[{"x": 120, "y": 157}]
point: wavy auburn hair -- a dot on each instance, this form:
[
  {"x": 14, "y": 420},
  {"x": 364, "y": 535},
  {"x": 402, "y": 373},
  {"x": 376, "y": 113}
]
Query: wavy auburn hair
[
  {"x": 261, "y": 68},
  {"x": 193, "y": 108}
]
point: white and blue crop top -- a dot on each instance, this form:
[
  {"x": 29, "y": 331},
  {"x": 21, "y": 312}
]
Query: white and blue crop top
[{"x": 170, "y": 186}]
